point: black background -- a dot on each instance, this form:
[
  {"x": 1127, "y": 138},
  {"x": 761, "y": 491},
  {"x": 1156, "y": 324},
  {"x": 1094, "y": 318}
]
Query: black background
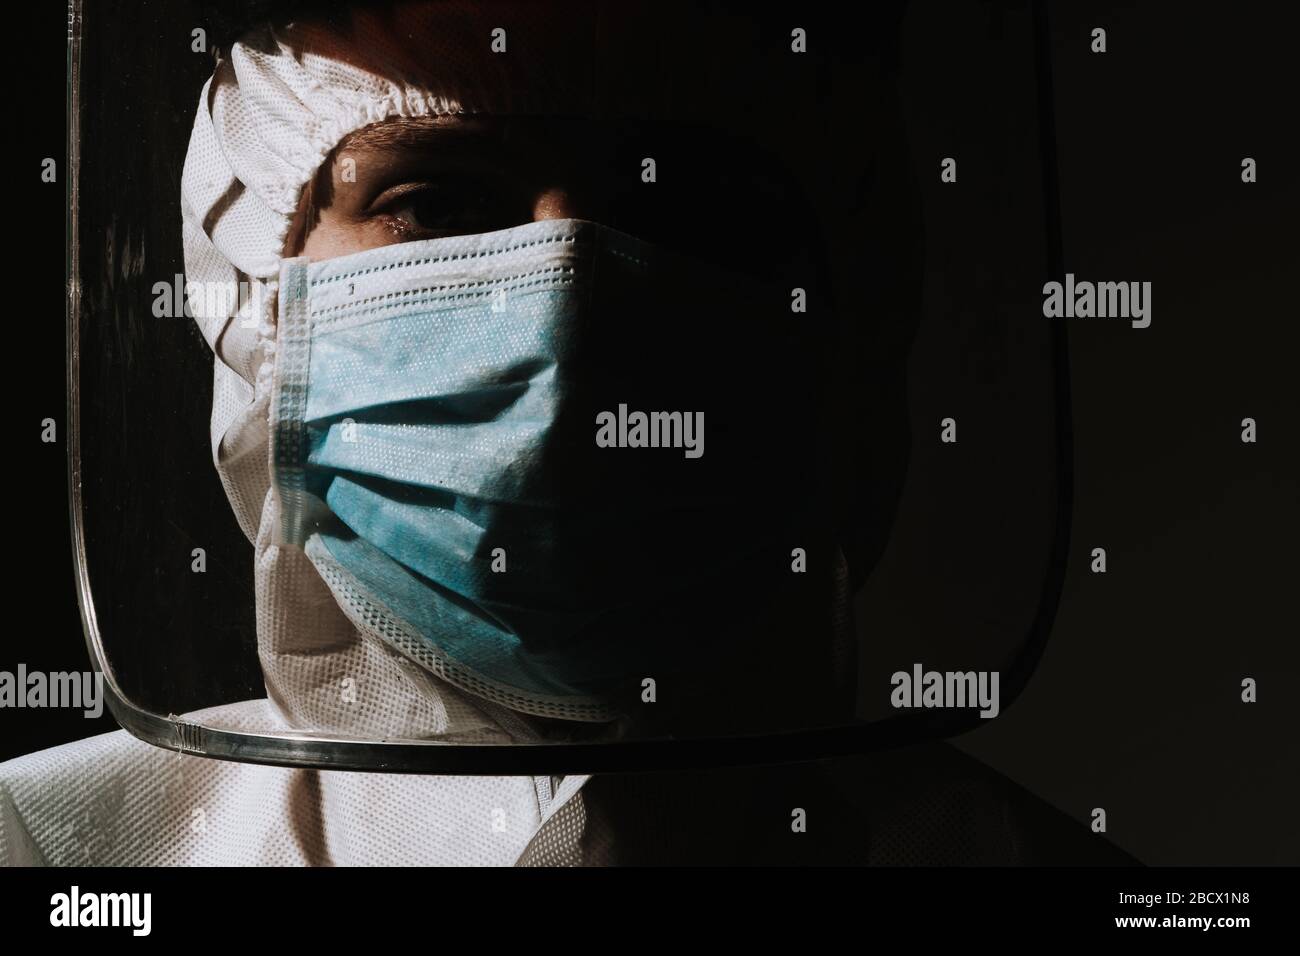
[{"x": 1135, "y": 706}]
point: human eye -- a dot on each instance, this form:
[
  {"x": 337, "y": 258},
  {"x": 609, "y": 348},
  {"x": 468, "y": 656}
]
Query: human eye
[{"x": 450, "y": 205}]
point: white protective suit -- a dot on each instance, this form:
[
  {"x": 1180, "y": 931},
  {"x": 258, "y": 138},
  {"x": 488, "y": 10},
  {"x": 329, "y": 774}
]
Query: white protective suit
[{"x": 267, "y": 120}]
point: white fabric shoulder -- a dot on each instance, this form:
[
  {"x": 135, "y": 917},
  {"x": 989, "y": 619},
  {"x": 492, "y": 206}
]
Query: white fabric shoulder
[{"x": 112, "y": 800}]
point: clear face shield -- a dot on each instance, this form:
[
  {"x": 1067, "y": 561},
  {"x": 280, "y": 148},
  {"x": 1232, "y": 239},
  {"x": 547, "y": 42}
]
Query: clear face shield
[{"x": 548, "y": 388}]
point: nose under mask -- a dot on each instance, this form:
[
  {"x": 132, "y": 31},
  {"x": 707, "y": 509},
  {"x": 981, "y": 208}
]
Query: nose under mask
[{"x": 529, "y": 458}]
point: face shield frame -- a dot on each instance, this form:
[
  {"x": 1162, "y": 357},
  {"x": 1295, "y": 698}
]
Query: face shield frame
[{"x": 322, "y": 751}]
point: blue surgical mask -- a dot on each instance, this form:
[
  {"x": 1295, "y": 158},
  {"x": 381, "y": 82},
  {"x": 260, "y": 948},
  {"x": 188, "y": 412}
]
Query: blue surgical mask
[{"x": 525, "y": 457}]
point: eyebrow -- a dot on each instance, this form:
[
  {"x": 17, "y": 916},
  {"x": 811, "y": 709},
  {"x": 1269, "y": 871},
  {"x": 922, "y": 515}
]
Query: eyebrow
[{"x": 413, "y": 132}]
